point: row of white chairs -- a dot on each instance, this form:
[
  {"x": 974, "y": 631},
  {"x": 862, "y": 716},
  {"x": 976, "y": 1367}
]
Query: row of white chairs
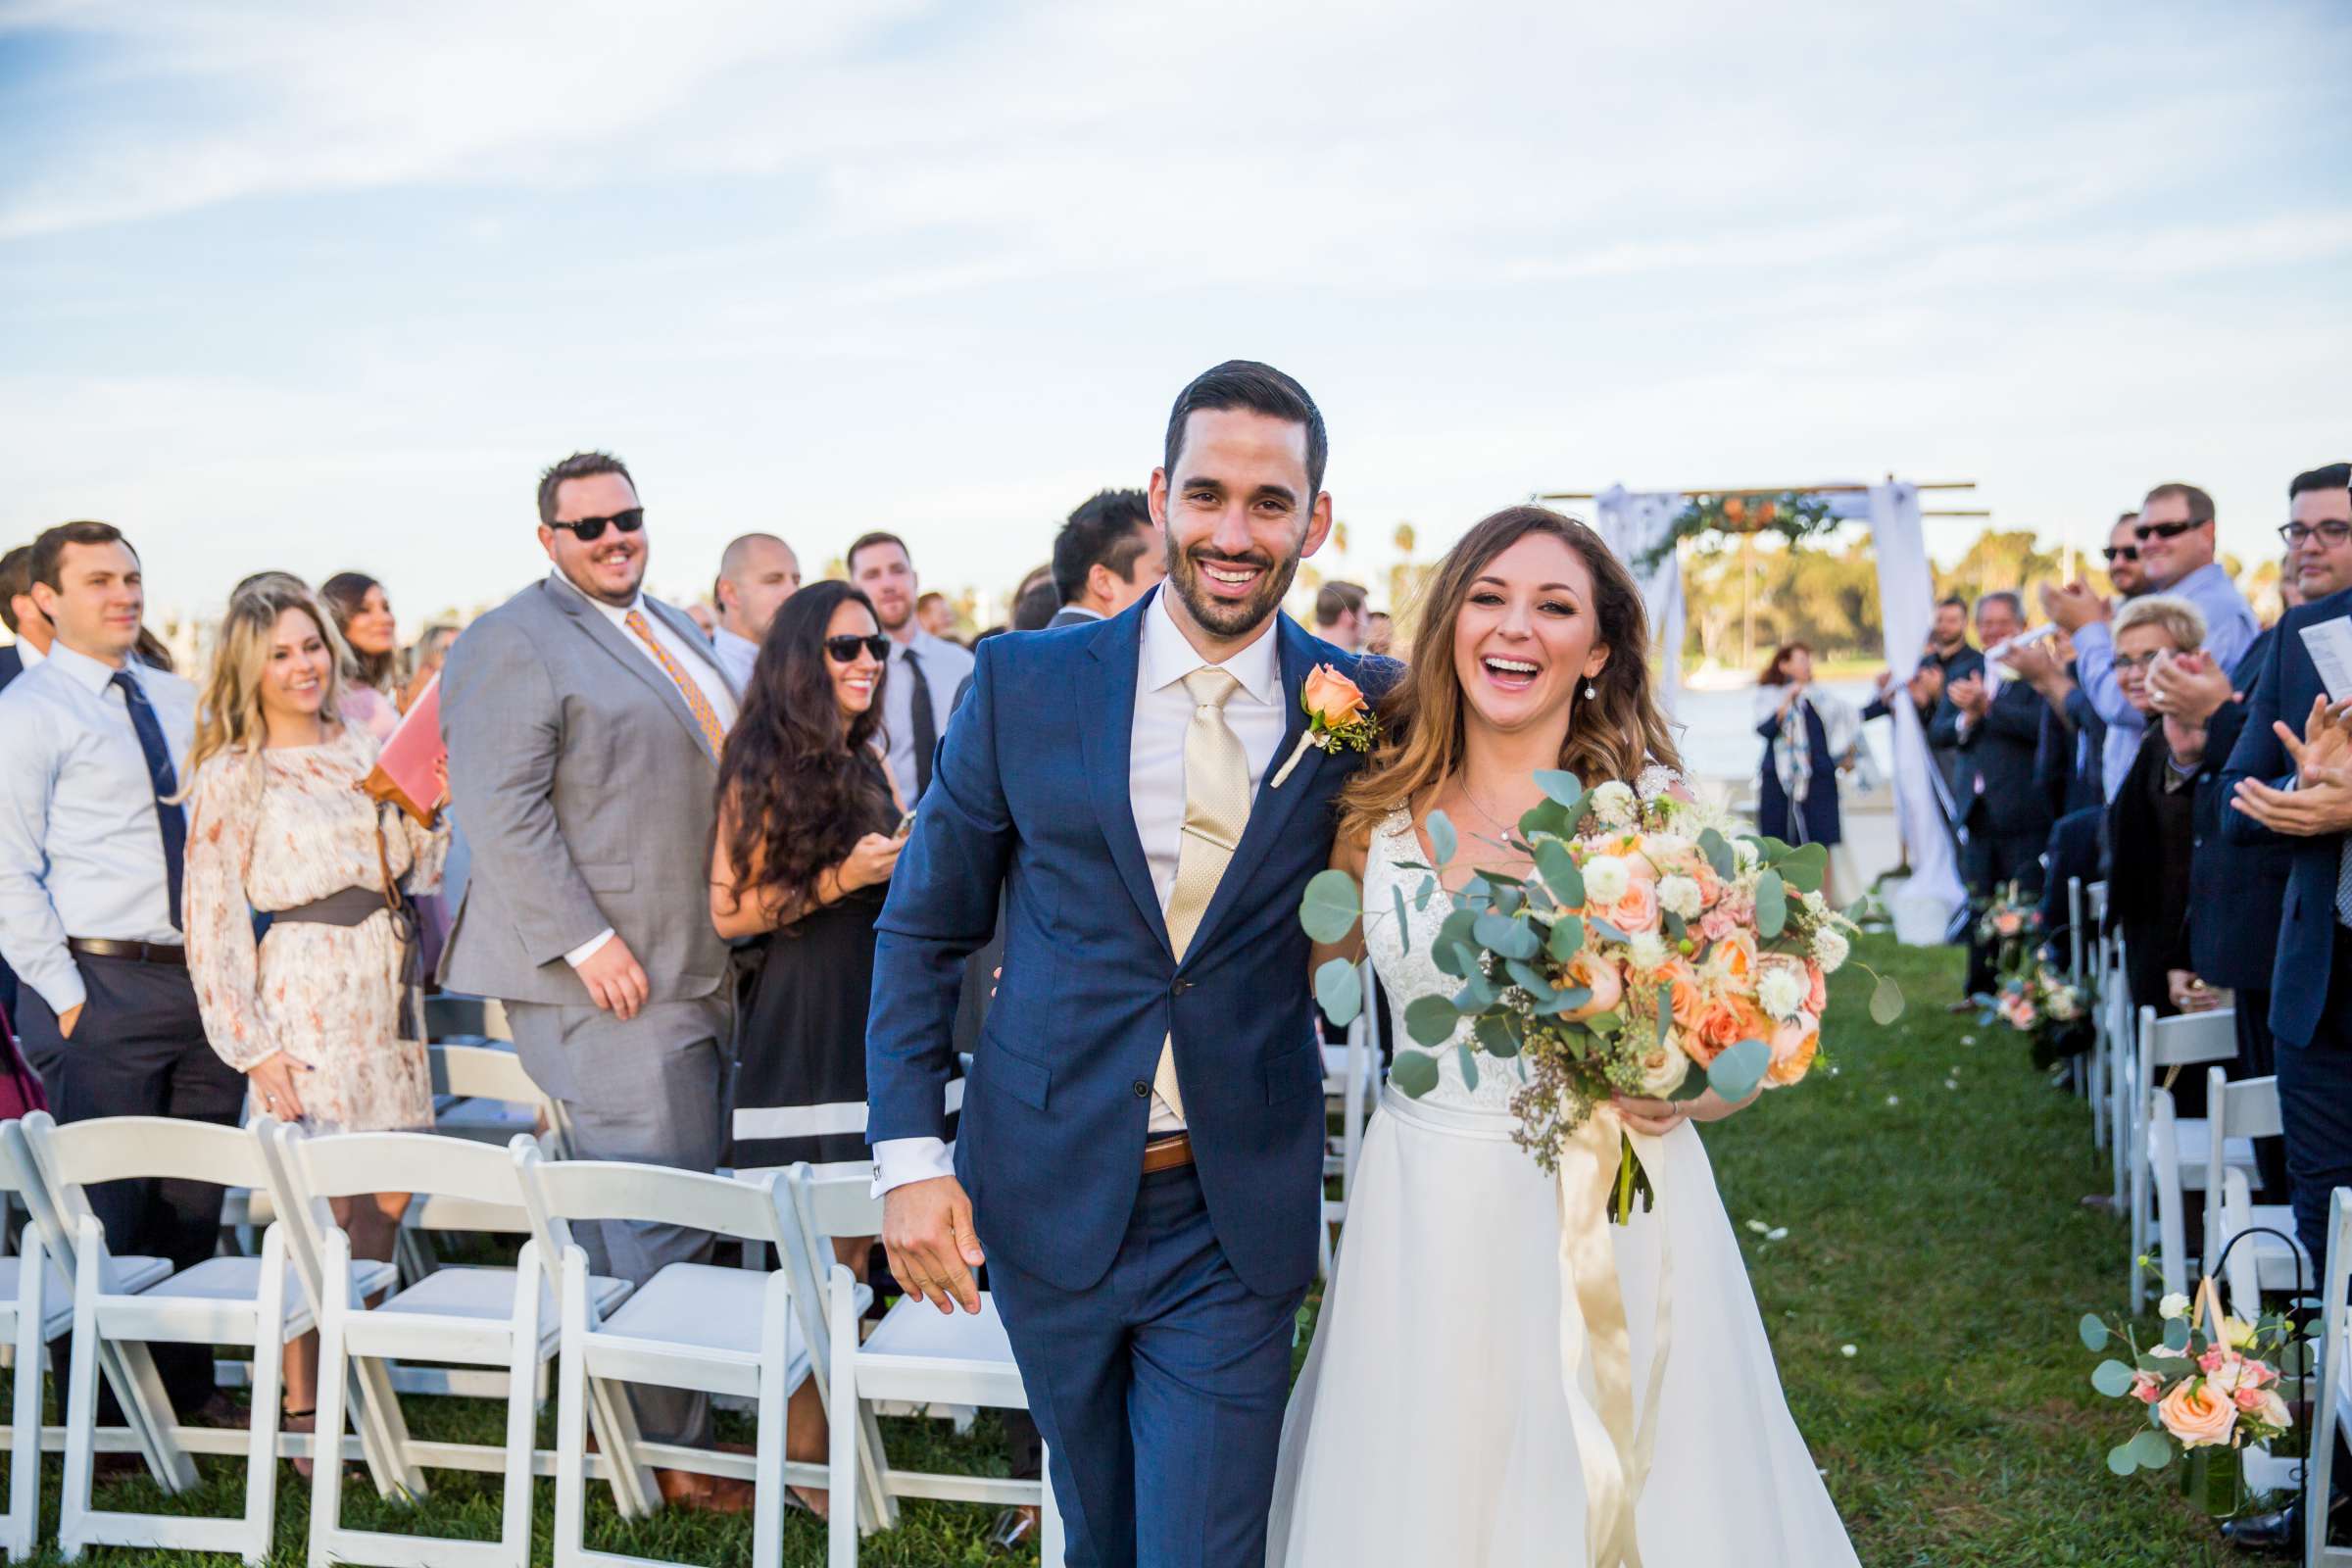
[{"x": 757, "y": 1336}]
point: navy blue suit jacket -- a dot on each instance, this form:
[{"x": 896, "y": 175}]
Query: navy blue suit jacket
[
  {"x": 11, "y": 664},
  {"x": 2285, "y": 690},
  {"x": 2237, "y": 890},
  {"x": 1998, "y": 747},
  {"x": 1031, "y": 798}
]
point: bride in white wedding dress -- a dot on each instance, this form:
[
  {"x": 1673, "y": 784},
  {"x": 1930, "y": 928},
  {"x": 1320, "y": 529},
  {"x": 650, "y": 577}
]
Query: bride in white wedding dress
[{"x": 1431, "y": 1424}]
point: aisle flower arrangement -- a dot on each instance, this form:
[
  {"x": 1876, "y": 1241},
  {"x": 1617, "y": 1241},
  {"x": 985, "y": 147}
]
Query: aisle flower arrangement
[
  {"x": 2038, "y": 999},
  {"x": 1647, "y": 953}
]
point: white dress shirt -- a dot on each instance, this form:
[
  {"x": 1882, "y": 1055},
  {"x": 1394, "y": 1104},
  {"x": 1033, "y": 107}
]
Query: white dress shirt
[
  {"x": 1258, "y": 717},
  {"x": 736, "y": 655},
  {"x": 26, "y": 655},
  {"x": 700, "y": 666},
  {"x": 80, "y": 852},
  {"x": 945, "y": 666}
]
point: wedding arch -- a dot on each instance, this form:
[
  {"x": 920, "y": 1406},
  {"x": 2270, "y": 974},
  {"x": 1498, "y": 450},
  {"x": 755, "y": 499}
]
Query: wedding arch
[{"x": 1647, "y": 529}]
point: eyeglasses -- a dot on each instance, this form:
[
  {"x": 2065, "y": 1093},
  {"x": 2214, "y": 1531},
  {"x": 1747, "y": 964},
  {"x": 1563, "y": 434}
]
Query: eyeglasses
[
  {"x": 844, "y": 650},
  {"x": 2116, "y": 553},
  {"x": 588, "y": 530},
  {"x": 2331, "y": 533},
  {"x": 2163, "y": 530},
  {"x": 2143, "y": 661}
]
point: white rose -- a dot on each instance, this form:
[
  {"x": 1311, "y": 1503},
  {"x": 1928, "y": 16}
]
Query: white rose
[
  {"x": 1663, "y": 1070},
  {"x": 1781, "y": 990},
  {"x": 1745, "y": 856},
  {"x": 2274, "y": 1412},
  {"x": 1830, "y": 948},
  {"x": 1679, "y": 895},
  {"x": 1816, "y": 905},
  {"x": 1614, "y": 805},
  {"x": 2173, "y": 1306},
  {"x": 1606, "y": 880},
  {"x": 1648, "y": 950}
]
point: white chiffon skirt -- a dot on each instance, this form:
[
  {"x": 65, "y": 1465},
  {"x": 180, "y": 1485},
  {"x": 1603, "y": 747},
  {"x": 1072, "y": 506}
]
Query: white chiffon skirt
[{"x": 1429, "y": 1425}]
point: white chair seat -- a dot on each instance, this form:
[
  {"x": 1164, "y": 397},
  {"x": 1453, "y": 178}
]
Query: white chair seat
[
  {"x": 125, "y": 1276},
  {"x": 2274, "y": 1260},
  {"x": 489, "y": 1294},
  {"x": 708, "y": 1307},
  {"x": 2193, "y": 1135},
  {"x": 239, "y": 1279},
  {"x": 487, "y": 1121},
  {"x": 915, "y": 1329}
]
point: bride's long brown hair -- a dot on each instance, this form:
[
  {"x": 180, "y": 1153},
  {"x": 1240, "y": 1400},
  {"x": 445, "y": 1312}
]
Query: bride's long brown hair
[{"x": 1612, "y": 735}]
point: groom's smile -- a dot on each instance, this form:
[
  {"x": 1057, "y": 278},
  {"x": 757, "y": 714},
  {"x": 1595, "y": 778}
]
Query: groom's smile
[{"x": 1239, "y": 511}]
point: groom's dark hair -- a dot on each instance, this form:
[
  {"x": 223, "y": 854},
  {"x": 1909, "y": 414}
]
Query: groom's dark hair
[{"x": 1261, "y": 389}]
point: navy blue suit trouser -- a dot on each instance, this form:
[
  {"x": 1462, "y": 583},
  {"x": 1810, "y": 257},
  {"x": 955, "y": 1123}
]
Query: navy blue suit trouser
[
  {"x": 1160, "y": 1390},
  {"x": 2315, "y": 1107}
]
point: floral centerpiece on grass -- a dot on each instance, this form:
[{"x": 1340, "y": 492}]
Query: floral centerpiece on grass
[
  {"x": 2038, "y": 999},
  {"x": 2209, "y": 1389},
  {"x": 1645, "y": 943}
]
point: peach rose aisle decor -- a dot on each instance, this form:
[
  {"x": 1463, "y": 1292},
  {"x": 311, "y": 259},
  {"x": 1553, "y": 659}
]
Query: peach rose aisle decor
[{"x": 1647, "y": 953}]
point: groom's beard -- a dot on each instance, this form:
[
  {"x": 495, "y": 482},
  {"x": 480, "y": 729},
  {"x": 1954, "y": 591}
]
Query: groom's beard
[{"x": 1227, "y": 618}]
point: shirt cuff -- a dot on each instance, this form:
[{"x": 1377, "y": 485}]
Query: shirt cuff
[
  {"x": 63, "y": 994},
  {"x": 904, "y": 1161},
  {"x": 588, "y": 948}
]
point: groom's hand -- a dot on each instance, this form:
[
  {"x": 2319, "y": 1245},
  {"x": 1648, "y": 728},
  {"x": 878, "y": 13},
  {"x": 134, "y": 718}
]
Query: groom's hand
[{"x": 927, "y": 1231}]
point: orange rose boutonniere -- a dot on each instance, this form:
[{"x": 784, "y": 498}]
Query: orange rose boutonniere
[{"x": 1337, "y": 715}]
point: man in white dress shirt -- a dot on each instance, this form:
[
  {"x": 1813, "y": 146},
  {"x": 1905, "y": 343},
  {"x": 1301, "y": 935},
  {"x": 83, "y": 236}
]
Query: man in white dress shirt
[
  {"x": 92, "y": 843},
  {"x": 756, "y": 573},
  {"x": 924, "y": 671}
]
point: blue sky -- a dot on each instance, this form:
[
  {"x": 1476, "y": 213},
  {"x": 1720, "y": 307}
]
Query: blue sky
[{"x": 318, "y": 288}]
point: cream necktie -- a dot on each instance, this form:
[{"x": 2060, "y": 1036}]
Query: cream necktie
[{"x": 1216, "y": 808}]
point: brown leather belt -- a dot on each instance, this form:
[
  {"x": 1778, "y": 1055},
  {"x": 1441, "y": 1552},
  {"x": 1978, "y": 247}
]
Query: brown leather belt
[
  {"x": 135, "y": 952},
  {"x": 1168, "y": 1153}
]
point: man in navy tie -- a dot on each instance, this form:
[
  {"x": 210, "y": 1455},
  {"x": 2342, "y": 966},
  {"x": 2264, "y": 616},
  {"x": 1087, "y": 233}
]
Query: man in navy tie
[{"x": 92, "y": 840}]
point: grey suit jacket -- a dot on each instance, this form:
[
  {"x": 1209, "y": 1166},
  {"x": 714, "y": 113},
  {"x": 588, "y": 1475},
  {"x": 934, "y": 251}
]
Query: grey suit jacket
[{"x": 585, "y": 791}]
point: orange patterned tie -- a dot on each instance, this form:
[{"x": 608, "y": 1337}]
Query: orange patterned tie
[{"x": 713, "y": 732}]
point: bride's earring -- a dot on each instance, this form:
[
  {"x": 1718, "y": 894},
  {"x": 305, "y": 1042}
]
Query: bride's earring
[{"x": 1590, "y": 691}]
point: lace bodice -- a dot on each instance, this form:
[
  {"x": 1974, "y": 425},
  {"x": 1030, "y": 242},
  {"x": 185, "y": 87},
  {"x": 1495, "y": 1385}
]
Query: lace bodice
[{"x": 1406, "y": 964}]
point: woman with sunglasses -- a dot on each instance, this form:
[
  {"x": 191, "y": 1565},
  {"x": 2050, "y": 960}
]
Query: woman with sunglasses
[{"x": 809, "y": 829}]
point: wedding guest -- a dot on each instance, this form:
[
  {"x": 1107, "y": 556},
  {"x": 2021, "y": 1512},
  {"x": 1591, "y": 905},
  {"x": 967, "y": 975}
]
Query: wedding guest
[
  {"x": 371, "y": 685},
  {"x": 2175, "y": 536},
  {"x": 92, "y": 846},
  {"x": 1108, "y": 556},
  {"x": 704, "y": 620},
  {"x": 22, "y": 617},
  {"x": 1380, "y": 634},
  {"x": 1340, "y": 610},
  {"x": 1993, "y": 724},
  {"x": 809, "y": 833},
  {"x": 925, "y": 669},
  {"x": 426, "y": 659},
  {"x": 756, "y": 573},
  {"x": 311, "y": 1012},
  {"x": 937, "y": 616},
  {"x": 2318, "y": 535},
  {"x": 1809, "y": 734},
  {"x": 584, "y": 723}
]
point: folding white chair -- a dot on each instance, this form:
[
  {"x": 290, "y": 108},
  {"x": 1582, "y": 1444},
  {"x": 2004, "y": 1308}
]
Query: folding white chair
[
  {"x": 481, "y": 1092},
  {"x": 914, "y": 1353},
  {"x": 1351, "y": 1086},
  {"x": 721, "y": 1331},
  {"x": 2117, "y": 1053},
  {"x": 2082, "y": 1069},
  {"x": 2190, "y": 1040},
  {"x": 221, "y": 1301},
  {"x": 477, "y": 1316},
  {"x": 2332, "y": 1386},
  {"x": 2247, "y": 1110}
]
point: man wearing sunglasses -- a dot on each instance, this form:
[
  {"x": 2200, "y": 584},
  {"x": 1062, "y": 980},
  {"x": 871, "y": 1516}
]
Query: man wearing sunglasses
[
  {"x": 584, "y": 723},
  {"x": 2174, "y": 535}
]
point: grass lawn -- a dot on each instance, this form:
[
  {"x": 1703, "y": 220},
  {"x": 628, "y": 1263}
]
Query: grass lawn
[{"x": 1930, "y": 1194}]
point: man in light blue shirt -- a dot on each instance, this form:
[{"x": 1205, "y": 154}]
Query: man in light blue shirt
[
  {"x": 92, "y": 841},
  {"x": 2176, "y": 547},
  {"x": 756, "y": 573}
]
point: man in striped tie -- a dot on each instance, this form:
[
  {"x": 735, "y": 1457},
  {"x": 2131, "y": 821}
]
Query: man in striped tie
[{"x": 584, "y": 723}]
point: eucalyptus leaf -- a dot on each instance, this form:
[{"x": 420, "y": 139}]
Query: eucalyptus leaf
[
  {"x": 1574, "y": 816},
  {"x": 2151, "y": 1448},
  {"x": 1605, "y": 1023},
  {"x": 1477, "y": 896},
  {"x": 1414, "y": 1073},
  {"x": 1431, "y": 1020},
  {"x": 1885, "y": 1002},
  {"x": 2176, "y": 1334},
  {"x": 1421, "y": 895},
  {"x": 2113, "y": 1379},
  {"x": 1567, "y": 1000},
  {"x": 1718, "y": 851},
  {"x": 1455, "y": 931},
  {"x": 1558, "y": 870},
  {"x": 1772, "y": 905},
  {"x": 1560, "y": 785},
  {"x": 1469, "y": 1066},
  {"x": 1545, "y": 816},
  {"x": 1666, "y": 1018},
  {"x": 1404, "y": 927},
  {"x": 1499, "y": 1037},
  {"x": 2119, "y": 1459},
  {"x": 1330, "y": 907},
  {"x": 1567, "y": 938},
  {"x": 1442, "y": 840},
  {"x": 1803, "y": 867},
  {"x": 1476, "y": 995},
  {"x": 1677, "y": 928},
  {"x": 1513, "y": 939},
  {"x": 1528, "y": 980},
  {"x": 1340, "y": 991},
  {"x": 1736, "y": 1073},
  {"x": 1605, "y": 931},
  {"x": 1450, "y": 959},
  {"x": 1503, "y": 893},
  {"x": 2094, "y": 1331}
]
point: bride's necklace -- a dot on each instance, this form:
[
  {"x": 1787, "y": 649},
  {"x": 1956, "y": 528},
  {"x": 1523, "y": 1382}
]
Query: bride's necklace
[{"x": 1478, "y": 806}]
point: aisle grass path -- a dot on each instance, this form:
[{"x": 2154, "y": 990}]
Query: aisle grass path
[{"x": 1931, "y": 1192}]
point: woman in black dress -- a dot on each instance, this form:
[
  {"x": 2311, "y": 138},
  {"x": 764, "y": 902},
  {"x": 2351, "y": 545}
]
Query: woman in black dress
[
  {"x": 1808, "y": 735},
  {"x": 809, "y": 833}
]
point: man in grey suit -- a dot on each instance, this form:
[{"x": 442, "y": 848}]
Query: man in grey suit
[
  {"x": 584, "y": 723},
  {"x": 1108, "y": 554}
]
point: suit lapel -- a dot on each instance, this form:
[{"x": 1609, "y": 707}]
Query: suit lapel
[
  {"x": 1271, "y": 812},
  {"x": 1106, "y": 732},
  {"x": 624, "y": 647}
]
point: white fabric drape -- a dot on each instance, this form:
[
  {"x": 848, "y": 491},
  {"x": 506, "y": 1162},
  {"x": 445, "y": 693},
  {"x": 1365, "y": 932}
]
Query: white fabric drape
[
  {"x": 1630, "y": 522},
  {"x": 1924, "y": 907}
]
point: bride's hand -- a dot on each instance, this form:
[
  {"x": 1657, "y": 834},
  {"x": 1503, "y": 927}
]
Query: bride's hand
[{"x": 1658, "y": 1117}]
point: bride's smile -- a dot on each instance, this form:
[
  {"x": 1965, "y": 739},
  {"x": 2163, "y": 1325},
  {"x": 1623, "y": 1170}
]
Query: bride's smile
[{"x": 1526, "y": 636}]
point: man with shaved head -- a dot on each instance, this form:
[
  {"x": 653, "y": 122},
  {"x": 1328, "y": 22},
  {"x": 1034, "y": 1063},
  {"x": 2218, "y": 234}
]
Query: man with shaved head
[{"x": 756, "y": 573}]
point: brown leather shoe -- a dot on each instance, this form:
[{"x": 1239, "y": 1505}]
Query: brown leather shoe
[{"x": 690, "y": 1489}]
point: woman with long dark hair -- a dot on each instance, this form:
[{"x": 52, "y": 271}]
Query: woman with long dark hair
[
  {"x": 809, "y": 828},
  {"x": 1808, "y": 735},
  {"x": 1533, "y": 655},
  {"x": 371, "y": 644}
]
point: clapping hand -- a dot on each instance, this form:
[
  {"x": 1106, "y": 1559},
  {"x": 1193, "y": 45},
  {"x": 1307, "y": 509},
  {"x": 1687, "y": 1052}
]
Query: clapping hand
[
  {"x": 2320, "y": 802},
  {"x": 1926, "y": 684},
  {"x": 2036, "y": 662},
  {"x": 2074, "y": 605},
  {"x": 1968, "y": 694},
  {"x": 2189, "y": 686}
]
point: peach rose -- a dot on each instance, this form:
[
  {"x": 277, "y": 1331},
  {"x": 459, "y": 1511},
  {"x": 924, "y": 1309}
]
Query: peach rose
[
  {"x": 1331, "y": 696},
  {"x": 1716, "y": 923},
  {"x": 1817, "y": 990},
  {"x": 1794, "y": 1044},
  {"x": 1733, "y": 959},
  {"x": 1597, "y": 975},
  {"x": 1726, "y": 1022},
  {"x": 1638, "y": 911},
  {"x": 1688, "y": 999},
  {"x": 2197, "y": 1419}
]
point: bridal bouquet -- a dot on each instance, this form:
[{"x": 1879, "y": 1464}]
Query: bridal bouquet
[
  {"x": 1645, "y": 943},
  {"x": 2210, "y": 1386}
]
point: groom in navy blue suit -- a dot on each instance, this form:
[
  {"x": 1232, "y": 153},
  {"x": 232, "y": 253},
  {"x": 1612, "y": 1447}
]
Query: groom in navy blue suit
[{"x": 1141, "y": 1155}]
